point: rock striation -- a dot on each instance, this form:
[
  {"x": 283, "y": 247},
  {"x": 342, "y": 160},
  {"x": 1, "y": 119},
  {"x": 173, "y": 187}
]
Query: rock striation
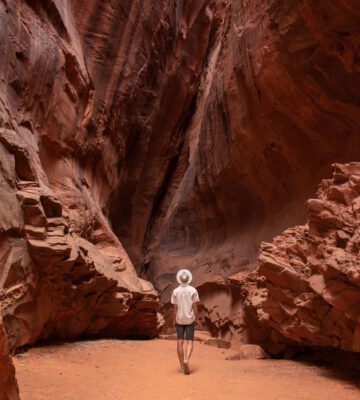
[
  {"x": 63, "y": 272},
  {"x": 137, "y": 138},
  {"x": 277, "y": 103},
  {"x": 309, "y": 276},
  {"x": 55, "y": 283},
  {"x": 8, "y": 385}
]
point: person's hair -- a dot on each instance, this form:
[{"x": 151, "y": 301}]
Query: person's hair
[{"x": 184, "y": 277}]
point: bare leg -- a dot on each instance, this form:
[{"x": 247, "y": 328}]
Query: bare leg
[
  {"x": 180, "y": 352},
  {"x": 189, "y": 347}
]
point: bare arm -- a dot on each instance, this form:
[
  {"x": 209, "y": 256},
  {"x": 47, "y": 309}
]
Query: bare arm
[
  {"x": 195, "y": 307},
  {"x": 174, "y": 315}
]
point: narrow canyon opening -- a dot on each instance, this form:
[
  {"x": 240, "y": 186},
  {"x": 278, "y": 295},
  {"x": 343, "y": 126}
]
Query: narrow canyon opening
[{"x": 138, "y": 138}]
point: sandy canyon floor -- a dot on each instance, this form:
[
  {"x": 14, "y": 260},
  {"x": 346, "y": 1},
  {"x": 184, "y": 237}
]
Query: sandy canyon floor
[{"x": 132, "y": 370}]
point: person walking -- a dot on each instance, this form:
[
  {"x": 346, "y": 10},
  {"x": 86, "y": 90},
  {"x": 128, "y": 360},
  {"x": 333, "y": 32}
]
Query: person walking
[{"x": 185, "y": 316}]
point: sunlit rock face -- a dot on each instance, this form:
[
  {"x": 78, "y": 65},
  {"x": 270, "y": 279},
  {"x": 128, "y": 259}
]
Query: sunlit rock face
[
  {"x": 159, "y": 135},
  {"x": 8, "y": 385},
  {"x": 309, "y": 276}
]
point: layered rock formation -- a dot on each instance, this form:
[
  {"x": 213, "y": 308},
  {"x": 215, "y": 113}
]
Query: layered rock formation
[
  {"x": 64, "y": 274},
  {"x": 309, "y": 276},
  {"x": 277, "y": 104},
  {"x": 55, "y": 283},
  {"x": 8, "y": 385},
  {"x": 173, "y": 132}
]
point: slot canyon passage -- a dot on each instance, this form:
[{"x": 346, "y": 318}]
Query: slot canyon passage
[{"x": 138, "y": 137}]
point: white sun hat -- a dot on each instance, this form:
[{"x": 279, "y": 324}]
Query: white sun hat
[{"x": 184, "y": 277}]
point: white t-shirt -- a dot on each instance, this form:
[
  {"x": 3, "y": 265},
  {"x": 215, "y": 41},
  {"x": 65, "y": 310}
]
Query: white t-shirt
[{"x": 184, "y": 296}]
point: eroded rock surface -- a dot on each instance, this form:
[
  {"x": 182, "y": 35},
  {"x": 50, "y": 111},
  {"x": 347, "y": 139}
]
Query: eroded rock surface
[
  {"x": 309, "y": 276},
  {"x": 55, "y": 283},
  {"x": 268, "y": 123},
  {"x": 172, "y": 134},
  {"x": 8, "y": 385},
  {"x": 277, "y": 104}
]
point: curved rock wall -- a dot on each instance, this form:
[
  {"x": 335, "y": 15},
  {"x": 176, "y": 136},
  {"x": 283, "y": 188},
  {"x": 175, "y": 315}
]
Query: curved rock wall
[
  {"x": 277, "y": 103},
  {"x": 55, "y": 283},
  {"x": 179, "y": 133},
  {"x": 64, "y": 274}
]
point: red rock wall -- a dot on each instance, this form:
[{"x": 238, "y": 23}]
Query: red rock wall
[
  {"x": 54, "y": 282},
  {"x": 63, "y": 272},
  {"x": 277, "y": 103},
  {"x": 309, "y": 276},
  {"x": 193, "y": 130},
  {"x": 8, "y": 385}
]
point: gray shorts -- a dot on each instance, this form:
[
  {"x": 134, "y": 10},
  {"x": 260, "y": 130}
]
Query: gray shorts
[{"x": 189, "y": 329}]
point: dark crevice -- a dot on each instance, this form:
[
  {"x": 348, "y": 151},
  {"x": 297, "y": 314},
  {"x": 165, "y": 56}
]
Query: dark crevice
[
  {"x": 168, "y": 178},
  {"x": 173, "y": 163},
  {"x": 161, "y": 193},
  {"x": 49, "y": 9}
]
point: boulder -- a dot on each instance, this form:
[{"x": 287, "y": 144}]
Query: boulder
[
  {"x": 310, "y": 274},
  {"x": 248, "y": 352}
]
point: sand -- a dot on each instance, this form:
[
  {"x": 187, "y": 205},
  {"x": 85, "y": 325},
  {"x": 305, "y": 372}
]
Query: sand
[{"x": 148, "y": 370}]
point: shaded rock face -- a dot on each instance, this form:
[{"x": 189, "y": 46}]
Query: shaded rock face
[
  {"x": 54, "y": 282},
  {"x": 268, "y": 122},
  {"x": 179, "y": 130},
  {"x": 8, "y": 385},
  {"x": 309, "y": 276},
  {"x": 63, "y": 272}
]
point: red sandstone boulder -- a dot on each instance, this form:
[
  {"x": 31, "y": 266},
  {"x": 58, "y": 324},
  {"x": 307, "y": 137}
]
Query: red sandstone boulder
[
  {"x": 311, "y": 273},
  {"x": 248, "y": 352},
  {"x": 217, "y": 342}
]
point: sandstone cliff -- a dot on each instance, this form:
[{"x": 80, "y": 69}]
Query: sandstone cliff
[
  {"x": 54, "y": 282},
  {"x": 160, "y": 135},
  {"x": 64, "y": 274},
  {"x": 277, "y": 104},
  {"x": 309, "y": 276}
]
